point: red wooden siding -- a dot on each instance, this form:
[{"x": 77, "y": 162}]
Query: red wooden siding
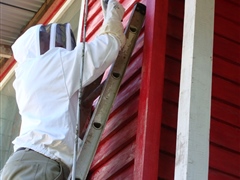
[
  {"x": 151, "y": 93},
  {"x": 225, "y": 112},
  {"x": 115, "y": 155},
  {"x": 225, "y": 116},
  {"x": 171, "y": 89}
]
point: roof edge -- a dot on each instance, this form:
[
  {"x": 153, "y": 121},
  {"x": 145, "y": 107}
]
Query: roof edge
[{"x": 9, "y": 65}]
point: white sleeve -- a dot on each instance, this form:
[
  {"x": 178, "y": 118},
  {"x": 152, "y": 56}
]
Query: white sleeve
[{"x": 99, "y": 55}]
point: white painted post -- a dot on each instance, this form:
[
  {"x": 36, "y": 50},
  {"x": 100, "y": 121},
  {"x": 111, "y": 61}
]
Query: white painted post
[{"x": 192, "y": 150}]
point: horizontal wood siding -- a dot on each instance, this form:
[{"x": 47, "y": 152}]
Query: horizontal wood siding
[
  {"x": 225, "y": 113},
  {"x": 171, "y": 89},
  {"x": 115, "y": 155}
]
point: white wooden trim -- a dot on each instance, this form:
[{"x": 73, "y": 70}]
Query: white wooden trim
[
  {"x": 7, "y": 77},
  {"x": 192, "y": 149}
]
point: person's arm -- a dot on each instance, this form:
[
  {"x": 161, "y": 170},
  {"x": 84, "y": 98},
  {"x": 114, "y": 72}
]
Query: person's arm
[{"x": 99, "y": 54}]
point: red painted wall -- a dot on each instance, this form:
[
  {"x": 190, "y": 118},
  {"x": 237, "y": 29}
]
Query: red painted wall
[
  {"x": 225, "y": 111},
  {"x": 171, "y": 89},
  {"x": 115, "y": 158},
  {"x": 224, "y": 162},
  {"x": 115, "y": 155}
]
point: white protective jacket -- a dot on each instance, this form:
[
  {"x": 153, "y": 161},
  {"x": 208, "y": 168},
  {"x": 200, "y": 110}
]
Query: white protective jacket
[{"x": 47, "y": 89}]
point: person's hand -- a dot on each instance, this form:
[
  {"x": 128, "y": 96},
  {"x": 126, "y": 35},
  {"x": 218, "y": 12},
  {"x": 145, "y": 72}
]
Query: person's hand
[
  {"x": 112, "y": 9},
  {"x": 113, "y": 13}
]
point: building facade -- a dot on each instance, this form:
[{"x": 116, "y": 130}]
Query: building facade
[{"x": 177, "y": 114}]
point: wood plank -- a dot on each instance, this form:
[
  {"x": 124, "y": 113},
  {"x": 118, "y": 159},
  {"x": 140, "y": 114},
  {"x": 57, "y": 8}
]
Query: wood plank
[
  {"x": 226, "y": 28},
  {"x": 115, "y": 164},
  {"x": 226, "y": 69},
  {"x": 150, "y": 108},
  {"x": 225, "y": 112},
  {"x": 218, "y": 175},
  {"x": 175, "y": 27},
  {"x": 173, "y": 48},
  {"x": 235, "y": 2},
  {"x": 224, "y": 160},
  {"x": 166, "y": 167},
  {"x": 227, "y": 49},
  {"x": 126, "y": 174},
  {"x": 227, "y": 10},
  {"x": 226, "y": 91},
  {"x": 172, "y": 70},
  {"x": 129, "y": 90},
  {"x": 171, "y": 91},
  {"x": 121, "y": 118},
  {"x": 176, "y": 8},
  {"x": 169, "y": 117},
  {"x": 192, "y": 150},
  {"x": 168, "y": 136},
  {"x": 109, "y": 148},
  {"x": 225, "y": 135}
]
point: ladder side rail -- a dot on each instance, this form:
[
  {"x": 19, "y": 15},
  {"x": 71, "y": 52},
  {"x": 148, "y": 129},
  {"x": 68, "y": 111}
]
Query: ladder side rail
[
  {"x": 90, "y": 93},
  {"x": 107, "y": 97}
]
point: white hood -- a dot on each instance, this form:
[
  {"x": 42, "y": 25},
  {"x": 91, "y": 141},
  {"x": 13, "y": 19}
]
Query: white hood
[{"x": 27, "y": 45}]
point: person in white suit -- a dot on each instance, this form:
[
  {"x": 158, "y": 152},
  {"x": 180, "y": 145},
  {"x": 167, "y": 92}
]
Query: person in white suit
[{"x": 47, "y": 84}]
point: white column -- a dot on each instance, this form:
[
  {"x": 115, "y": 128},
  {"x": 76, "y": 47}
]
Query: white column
[{"x": 192, "y": 149}]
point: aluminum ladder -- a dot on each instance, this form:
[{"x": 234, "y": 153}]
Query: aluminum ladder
[{"x": 109, "y": 90}]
